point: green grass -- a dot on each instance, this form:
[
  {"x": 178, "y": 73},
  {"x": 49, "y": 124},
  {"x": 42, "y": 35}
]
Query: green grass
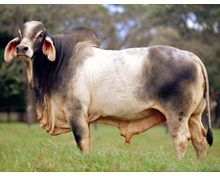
[{"x": 24, "y": 148}]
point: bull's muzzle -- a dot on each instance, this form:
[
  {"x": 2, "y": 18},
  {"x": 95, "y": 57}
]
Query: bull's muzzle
[{"x": 23, "y": 51}]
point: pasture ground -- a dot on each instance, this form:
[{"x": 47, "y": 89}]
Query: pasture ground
[{"x": 30, "y": 149}]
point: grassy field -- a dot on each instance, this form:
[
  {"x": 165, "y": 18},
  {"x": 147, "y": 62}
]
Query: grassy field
[{"x": 24, "y": 148}]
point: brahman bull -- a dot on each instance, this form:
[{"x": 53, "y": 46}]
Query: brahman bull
[{"x": 76, "y": 83}]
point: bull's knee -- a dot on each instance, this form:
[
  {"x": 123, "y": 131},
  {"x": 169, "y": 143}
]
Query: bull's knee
[
  {"x": 179, "y": 131},
  {"x": 82, "y": 141},
  {"x": 81, "y": 134},
  {"x": 180, "y": 144},
  {"x": 200, "y": 147},
  {"x": 199, "y": 143},
  {"x": 198, "y": 134}
]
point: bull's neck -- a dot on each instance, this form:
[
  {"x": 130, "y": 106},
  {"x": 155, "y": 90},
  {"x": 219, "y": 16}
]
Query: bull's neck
[
  {"x": 64, "y": 48},
  {"x": 58, "y": 44},
  {"x": 45, "y": 72}
]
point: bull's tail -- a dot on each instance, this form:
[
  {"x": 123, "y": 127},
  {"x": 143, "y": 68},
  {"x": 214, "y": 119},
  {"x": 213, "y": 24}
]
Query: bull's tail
[{"x": 209, "y": 135}]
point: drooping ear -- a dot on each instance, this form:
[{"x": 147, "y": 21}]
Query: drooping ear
[
  {"x": 10, "y": 49},
  {"x": 49, "y": 49}
]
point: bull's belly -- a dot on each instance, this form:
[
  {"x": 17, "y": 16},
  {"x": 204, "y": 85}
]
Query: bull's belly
[
  {"x": 120, "y": 104},
  {"x": 127, "y": 113},
  {"x": 128, "y": 127}
]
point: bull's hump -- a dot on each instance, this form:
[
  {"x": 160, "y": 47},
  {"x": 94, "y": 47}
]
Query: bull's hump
[{"x": 84, "y": 34}]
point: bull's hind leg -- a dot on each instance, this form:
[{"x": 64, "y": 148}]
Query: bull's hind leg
[
  {"x": 198, "y": 133},
  {"x": 179, "y": 130}
]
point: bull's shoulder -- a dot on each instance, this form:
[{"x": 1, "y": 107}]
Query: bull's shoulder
[{"x": 84, "y": 34}]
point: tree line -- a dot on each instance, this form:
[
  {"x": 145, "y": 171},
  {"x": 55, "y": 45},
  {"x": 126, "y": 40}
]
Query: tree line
[{"x": 195, "y": 28}]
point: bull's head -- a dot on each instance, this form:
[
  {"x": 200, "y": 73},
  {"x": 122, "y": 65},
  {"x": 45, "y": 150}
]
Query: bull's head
[{"x": 32, "y": 39}]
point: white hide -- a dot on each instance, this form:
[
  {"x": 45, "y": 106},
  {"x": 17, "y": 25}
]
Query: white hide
[{"x": 109, "y": 79}]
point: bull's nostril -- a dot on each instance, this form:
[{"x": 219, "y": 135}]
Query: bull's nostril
[
  {"x": 25, "y": 49},
  {"x": 16, "y": 49},
  {"x": 21, "y": 49}
]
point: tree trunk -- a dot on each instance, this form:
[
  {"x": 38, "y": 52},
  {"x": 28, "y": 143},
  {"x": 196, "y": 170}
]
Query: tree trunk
[
  {"x": 8, "y": 114},
  {"x": 31, "y": 114},
  {"x": 30, "y": 109},
  {"x": 167, "y": 130}
]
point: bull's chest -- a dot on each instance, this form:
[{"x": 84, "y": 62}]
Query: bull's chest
[{"x": 52, "y": 116}]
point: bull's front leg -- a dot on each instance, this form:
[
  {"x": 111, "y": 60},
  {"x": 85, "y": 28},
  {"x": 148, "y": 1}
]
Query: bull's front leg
[{"x": 81, "y": 130}]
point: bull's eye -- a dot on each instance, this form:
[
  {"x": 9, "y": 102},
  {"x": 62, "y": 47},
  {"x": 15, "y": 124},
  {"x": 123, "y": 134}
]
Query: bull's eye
[{"x": 40, "y": 36}]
